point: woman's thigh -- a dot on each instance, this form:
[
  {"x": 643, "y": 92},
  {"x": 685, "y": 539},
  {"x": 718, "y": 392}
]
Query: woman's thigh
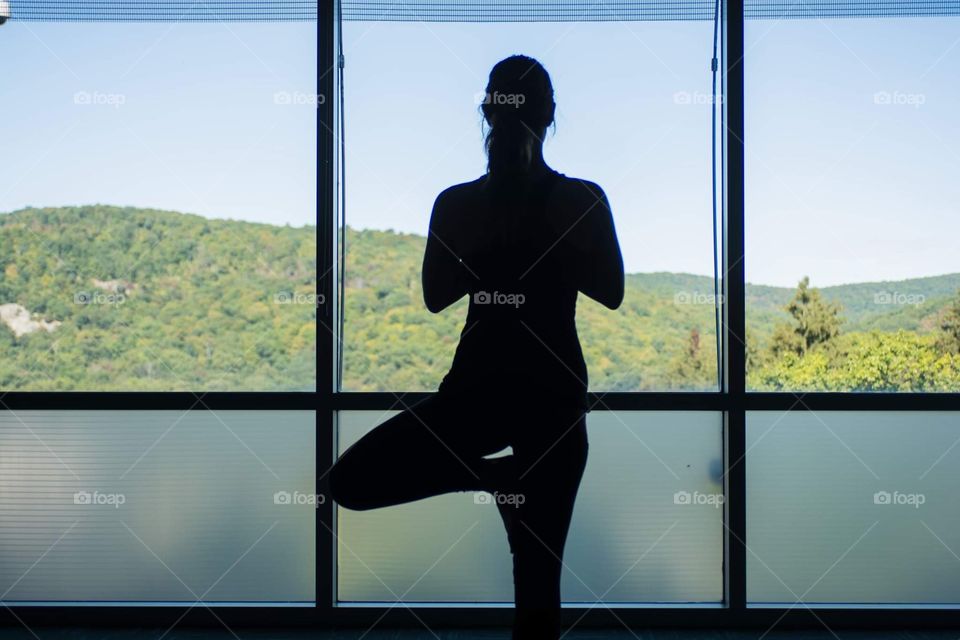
[
  {"x": 430, "y": 448},
  {"x": 550, "y": 461},
  {"x": 550, "y": 445}
]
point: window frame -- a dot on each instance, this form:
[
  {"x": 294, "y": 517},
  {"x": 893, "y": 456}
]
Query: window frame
[{"x": 733, "y": 400}]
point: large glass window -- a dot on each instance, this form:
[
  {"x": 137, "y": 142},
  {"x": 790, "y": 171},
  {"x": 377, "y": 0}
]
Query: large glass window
[
  {"x": 158, "y": 233},
  {"x": 851, "y": 210},
  {"x": 634, "y": 115},
  {"x": 158, "y": 225}
]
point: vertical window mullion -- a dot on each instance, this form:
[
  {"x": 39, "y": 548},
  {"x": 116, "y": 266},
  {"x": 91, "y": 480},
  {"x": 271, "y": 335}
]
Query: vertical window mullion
[
  {"x": 734, "y": 301},
  {"x": 326, "y": 316}
]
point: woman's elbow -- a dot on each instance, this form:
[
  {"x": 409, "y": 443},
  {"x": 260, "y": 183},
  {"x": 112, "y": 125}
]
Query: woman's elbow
[
  {"x": 619, "y": 280},
  {"x": 435, "y": 300},
  {"x": 611, "y": 294},
  {"x": 614, "y": 299},
  {"x": 433, "y": 306},
  {"x": 430, "y": 297},
  {"x": 433, "y": 303}
]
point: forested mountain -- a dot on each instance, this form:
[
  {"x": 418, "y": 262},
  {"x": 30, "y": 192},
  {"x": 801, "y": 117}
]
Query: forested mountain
[
  {"x": 154, "y": 300},
  {"x": 662, "y": 337},
  {"x": 117, "y": 298}
]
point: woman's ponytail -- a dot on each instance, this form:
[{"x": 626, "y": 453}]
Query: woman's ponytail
[{"x": 518, "y": 107}]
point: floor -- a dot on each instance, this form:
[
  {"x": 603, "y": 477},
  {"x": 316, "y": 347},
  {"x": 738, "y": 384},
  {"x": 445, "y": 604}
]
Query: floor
[{"x": 54, "y": 633}]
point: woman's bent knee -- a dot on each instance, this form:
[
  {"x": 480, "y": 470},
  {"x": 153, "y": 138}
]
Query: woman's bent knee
[{"x": 344, "y": 486}]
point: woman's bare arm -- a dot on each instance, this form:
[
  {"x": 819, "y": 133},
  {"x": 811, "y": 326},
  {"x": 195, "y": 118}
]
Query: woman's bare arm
[
  {"x": 600, "y": 267},
  {"x": 445, "y": 279}
]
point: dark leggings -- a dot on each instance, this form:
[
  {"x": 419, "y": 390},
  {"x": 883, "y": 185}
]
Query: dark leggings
[{"x": 438, "y": 446}]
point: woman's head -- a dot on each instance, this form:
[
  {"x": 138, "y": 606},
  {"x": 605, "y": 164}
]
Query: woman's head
[{"x": 518, "y": 107}]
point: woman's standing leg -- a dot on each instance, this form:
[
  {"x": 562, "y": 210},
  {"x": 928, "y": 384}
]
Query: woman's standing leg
[{"x": 549, "y": 465}]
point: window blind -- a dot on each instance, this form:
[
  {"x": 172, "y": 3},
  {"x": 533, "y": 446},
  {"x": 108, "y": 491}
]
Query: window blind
[
  {"x": 527, "y": 10},
  {"x": 636, "y": 10},
  {"x": 462, "y": 10},
  {"x": 765, "y": 9},
  {"x": 162, "y": 10}
]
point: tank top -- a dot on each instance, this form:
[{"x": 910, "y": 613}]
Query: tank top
[{"x": 520, "y": 336}]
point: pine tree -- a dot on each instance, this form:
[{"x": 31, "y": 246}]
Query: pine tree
[
  {"x": 814, "y": 321},
  {"x": 950, "y": 326}
]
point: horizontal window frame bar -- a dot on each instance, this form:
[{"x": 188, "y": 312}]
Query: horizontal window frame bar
[
  {"x": 390, "y": 615},
  {"x": 159, "y": 401},
  {"x": 854, "y": 401},
  {"x": 386, "y": 400},
  {"x": 597, "y": 401}
]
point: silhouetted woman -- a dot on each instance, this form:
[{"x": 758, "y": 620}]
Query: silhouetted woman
[{"x": 521, "y": 241}]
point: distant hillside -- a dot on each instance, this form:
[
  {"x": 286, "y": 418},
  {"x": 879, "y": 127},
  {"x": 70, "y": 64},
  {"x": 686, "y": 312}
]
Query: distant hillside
[
  {"x": 645, "y": 344},
  {"x": 154, "y": 300},
  {"x": 103, "y": 297},
  {"x": 886, "y": 305}
]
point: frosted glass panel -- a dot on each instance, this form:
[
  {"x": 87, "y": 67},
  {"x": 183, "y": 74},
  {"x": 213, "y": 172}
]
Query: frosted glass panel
[
  {"x": 648, "y": 524},
  {"x": 853, "y": 508},
  {"x": 156, "y": 506}
]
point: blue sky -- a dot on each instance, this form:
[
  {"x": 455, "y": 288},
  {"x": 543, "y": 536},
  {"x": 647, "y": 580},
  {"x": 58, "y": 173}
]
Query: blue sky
[
  {"x": 179, "y": 117},
  {"x": 844, "y": 184}
]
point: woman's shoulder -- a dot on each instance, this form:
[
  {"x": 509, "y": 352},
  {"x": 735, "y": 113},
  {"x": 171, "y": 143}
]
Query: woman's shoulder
[
  {"x": 459, "y": 191},
  {"x": 568, "y": 190},
  {"x": 575, "y": 191}
]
